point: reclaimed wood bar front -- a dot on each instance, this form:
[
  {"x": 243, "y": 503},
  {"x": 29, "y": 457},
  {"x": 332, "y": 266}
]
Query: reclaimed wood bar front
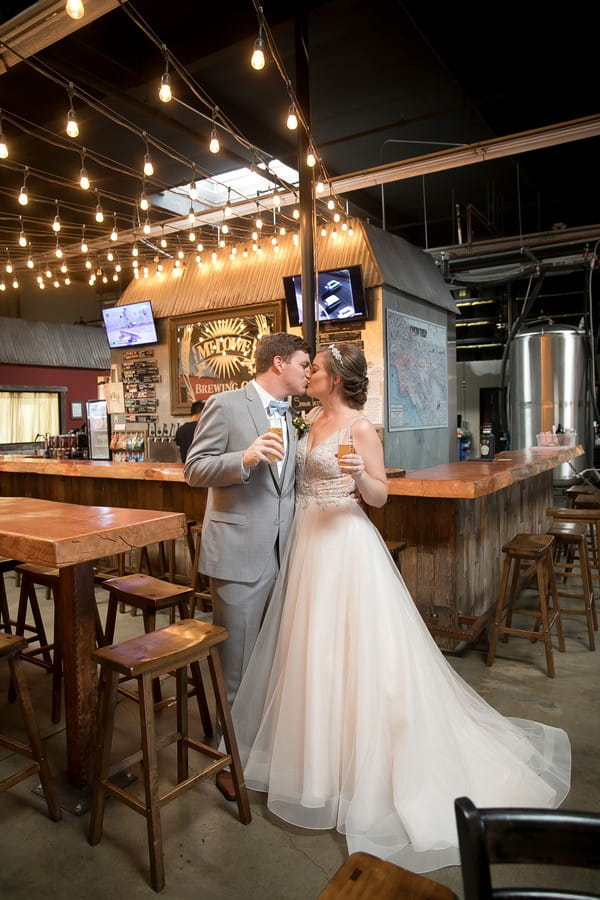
[{"x": 454, "y": 518}]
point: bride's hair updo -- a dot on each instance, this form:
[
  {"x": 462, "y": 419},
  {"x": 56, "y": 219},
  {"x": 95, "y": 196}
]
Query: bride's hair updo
[{"x": 348, "y": 361}]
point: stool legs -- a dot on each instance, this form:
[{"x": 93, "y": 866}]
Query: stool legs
[
  {"x": 36, "y": 749},
  {"x": 547, "y": 614}
]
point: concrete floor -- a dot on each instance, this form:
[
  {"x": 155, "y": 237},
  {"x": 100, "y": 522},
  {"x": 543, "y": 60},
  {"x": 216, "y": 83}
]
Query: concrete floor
[{"x": 208, "y": 852}]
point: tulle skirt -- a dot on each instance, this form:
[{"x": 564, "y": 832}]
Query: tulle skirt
[{"x": 350, "y": 717}]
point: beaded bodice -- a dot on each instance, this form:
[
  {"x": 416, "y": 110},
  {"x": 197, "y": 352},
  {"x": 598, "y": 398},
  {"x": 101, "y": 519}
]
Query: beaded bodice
[{"x": 318, "y": 477}]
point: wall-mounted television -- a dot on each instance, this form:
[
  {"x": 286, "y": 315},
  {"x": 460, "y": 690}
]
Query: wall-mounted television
[
  {"x": 340, "y": 292},
  {"x": 130, "y": 325}
]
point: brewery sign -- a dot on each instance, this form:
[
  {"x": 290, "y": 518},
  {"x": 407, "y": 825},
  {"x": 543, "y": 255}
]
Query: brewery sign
[{"x": 213, "y": 351}]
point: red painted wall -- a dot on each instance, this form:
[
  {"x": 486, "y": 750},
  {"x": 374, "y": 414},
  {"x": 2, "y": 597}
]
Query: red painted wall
[{"x": 81, "y": 384}]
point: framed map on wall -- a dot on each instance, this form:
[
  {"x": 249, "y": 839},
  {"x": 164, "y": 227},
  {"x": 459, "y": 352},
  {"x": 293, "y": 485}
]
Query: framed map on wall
[
  {"x": 213, "y": 350},
  {"x": 417, "y": 372}
]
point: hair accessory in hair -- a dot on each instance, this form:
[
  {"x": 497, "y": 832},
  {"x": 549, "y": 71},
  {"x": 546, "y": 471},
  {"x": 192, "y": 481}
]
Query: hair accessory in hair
[{"x": 336, "y": 353}]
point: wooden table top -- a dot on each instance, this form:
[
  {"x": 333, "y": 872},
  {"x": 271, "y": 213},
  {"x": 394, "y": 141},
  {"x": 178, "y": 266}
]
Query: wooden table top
[
  {"x": 92, "y": 468},
  {"x": 63, "y": 534},
  {"x": 472, "y": 478}
]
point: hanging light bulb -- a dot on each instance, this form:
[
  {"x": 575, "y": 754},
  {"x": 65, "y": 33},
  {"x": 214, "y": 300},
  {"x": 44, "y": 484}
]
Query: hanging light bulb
[
  {"x": 23, "y": 195},
  {"x": 148, "y": 167},
  {"x": 323, "y": 231},
  {"x": 110, "y": 256},
  {"x": 164, "y": 93},
  {"x": 134, "y": 249},
  {"x": 180, "y": 253},
  {"x": 84, "y": 246},
  {"x": 163, "y": 240},
  {"x": 84, "y": 181},
  {"x": 320, "y": 187},
  {"x": 292, "y": 119},
  {"x": 257, "y": 60},
  {"x": 144, "y": 203},
  {"x": 336, "y": 217},
  {"x": 56, "y": 223},
  {"x": 75, "y": 9},
  {"x": 58, "y": 252},
  {"x": 193, "y": 189},
  {"x": 48, "y": 273},
  {"x": 3, "y": 145},
  {"x": 118, "y": 267},
  {"x": 200, "y": 247},
  {"x": 228, "y": 211},
  {"x": 282, "y": 230},
  {"x": 88, "y": 264},
  {"x": 30, "y": 263},
  {"x": 276, "y": 201},
  {"x": 225, "y": 228},
  {"x": 191, "y": 236},
  {"x": 296, "y": 212},
  {"x": 9, "y": 266},
  {"x": 331, "y": 203},
  {"x": 72, "y": 126},
  {"x": 214, "y": 145},
  {"x": 64, "y": 268},
  {"x": 99, "y": 213},
  {"x": 311, "y": 159},
  {"x": 22, "y": 236},
  {"x": 191, "y": 215},
  {"x": 146, "y": 228},
  {"x": 114, "y": 235},
  {"x": 67, "y": 281},
  {"x": 15, "y": 283}
]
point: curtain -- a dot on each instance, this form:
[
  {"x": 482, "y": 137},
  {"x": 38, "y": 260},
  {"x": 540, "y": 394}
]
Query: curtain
[{"x": 26, "y": 414}]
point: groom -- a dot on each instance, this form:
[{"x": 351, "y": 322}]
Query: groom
[{"x": 250, "y": 501}]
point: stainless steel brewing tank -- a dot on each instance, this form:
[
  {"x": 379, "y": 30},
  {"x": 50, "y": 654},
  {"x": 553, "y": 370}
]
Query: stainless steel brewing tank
[{"x": 548, "y": 386}]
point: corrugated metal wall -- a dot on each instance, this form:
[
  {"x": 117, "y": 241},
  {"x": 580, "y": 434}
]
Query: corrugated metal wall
[
  {"x": 52, "y": 344},
  {"x": 229, "y": 283}
]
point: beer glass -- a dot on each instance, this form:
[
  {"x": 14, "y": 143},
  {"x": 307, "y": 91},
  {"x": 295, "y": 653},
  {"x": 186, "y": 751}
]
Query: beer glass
[
  {"x": 345, "y": 442},
  {"x": 276, "y": 427}
]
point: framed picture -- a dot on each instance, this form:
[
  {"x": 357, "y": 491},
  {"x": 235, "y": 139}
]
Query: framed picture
[
  {"x": 213, "y": 351},
  {"x": 77, "y": 410}
]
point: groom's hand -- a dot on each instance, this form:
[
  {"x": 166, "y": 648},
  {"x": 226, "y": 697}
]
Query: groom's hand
[{"x": 266, "y": 448}]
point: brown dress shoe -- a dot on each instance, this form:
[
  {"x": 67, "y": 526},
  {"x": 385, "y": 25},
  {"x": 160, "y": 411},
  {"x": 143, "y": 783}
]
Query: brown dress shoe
[{"x": 224, "y": 783}]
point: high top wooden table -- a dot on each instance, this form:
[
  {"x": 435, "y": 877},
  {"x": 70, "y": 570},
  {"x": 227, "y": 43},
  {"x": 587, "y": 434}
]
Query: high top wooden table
[{"x": 69, "y": 537}]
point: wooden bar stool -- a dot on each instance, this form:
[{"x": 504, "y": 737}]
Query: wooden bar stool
[
  {"x": 145, "y": 658},
  {"x": 200, "y": 585},
  {"x": 534, "y": 549},
  {"x": 150, "y": 595},
  {"x": 396, "y": 548},
  {"x": 11, "y": 647},
  {"x": 6, "y": 565},
  {"x": 44, "y": 576},
  {"x": 580, "y": 490},
  {"x": 591, "y": 516},
  {"x": 571, "y": 563}
]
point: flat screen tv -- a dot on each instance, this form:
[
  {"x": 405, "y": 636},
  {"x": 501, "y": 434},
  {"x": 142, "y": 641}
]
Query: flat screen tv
[
  {"x": 130, "y": 325},
  {"x": 340, "y": 293}
]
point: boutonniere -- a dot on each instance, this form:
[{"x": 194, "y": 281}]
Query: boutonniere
[{"x": 299, "y": 423}]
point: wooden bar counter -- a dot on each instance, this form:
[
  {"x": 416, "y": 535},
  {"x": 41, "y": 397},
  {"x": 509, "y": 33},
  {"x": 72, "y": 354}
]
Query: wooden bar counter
[{"x": 454, "y": 518}]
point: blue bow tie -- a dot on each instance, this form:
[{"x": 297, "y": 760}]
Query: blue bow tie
[{"x": 278, "y": 407}]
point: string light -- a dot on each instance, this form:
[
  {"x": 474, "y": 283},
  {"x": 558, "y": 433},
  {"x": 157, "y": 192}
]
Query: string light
[
  {"x": 3, "y": 144},
  {"x": 84, "y": 246},
  {"x": 114, "y": 235},
  {"x": 146, "y": 228},
  {"x": 311, "y": 159},
  {"x": 148, "y": 167},
  {"x": 23, "y": 195},
  {"x": 99, "y": 213},
  {"x": 144, "y": 203},
  {"x": 258, "y": 222},
  {"x": 84, "y": 181},
  {"x": 257, "y": 60},
  {"x": 30, "y": 263},
  {"x": 56, "y": 223},
  {"x": 331, "y": 203},
  {"x": 164, "y": 93},
  {"x": 75, "y": 9},
  {"x": 193, "y": 186},
  {"x": 292, "y": 119},
  {"x": 214, "y": 145},
  {"x": 320, "y": 187},
  {"x": 163, "y": 240},
  {"x": 110, "y": 256},
  {"x": 22, "y": 236},
  {"x": 58, "y": 252},
  {"x": 227, "y": 211},
  {"x": 9, "y": 266},
  {"x": 15, "y": 283},
  {"x": 134, "y": 249},
  {"x": 191, "y": 215},
  {"x": 72, "y": 126}
]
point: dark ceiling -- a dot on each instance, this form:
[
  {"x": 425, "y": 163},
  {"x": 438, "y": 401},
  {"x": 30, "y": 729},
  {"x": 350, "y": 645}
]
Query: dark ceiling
[{"x": 388, "y": 81}]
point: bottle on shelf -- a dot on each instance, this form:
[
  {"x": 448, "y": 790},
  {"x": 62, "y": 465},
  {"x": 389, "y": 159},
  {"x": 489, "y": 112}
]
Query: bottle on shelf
[{"x": 487, "y": 442}]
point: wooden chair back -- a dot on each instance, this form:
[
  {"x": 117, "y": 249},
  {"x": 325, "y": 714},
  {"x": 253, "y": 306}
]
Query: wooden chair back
[{"x": 523, "y": 836}]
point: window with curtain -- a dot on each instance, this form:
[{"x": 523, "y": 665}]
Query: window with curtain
[{"x": 26, "y": 414}]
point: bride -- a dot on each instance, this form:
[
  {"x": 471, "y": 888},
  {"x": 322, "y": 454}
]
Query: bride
[{"x": 349, "y": 715}]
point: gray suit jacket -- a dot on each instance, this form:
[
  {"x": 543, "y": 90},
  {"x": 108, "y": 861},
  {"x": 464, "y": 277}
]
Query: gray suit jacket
[{"x": 243, "y": 519}]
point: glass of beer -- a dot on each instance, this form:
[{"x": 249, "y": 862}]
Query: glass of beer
[
  {"x": 276, "y": 427},
  {"x": 345, "y": 442}
]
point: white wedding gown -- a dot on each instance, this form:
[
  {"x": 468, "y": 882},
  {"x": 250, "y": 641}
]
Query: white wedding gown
[{"x": 349, "y": 715}]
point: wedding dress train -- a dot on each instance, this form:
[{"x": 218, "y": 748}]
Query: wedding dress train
[{"x": 349, "y": 715}]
